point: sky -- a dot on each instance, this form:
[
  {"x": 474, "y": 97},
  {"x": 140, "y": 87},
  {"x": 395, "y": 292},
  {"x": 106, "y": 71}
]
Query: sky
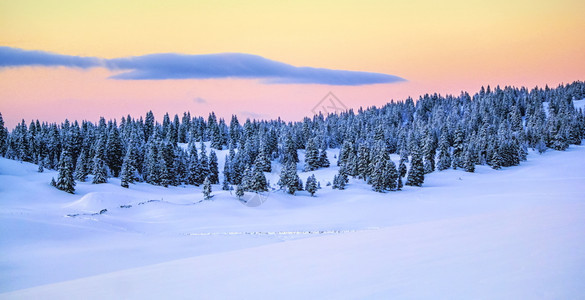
[{"x": 268, "y": 59}]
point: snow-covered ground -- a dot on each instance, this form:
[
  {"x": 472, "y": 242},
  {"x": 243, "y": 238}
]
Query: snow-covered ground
[{"x": 514, "y": 233}]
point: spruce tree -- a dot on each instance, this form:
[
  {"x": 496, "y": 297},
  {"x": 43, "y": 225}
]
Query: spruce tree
[
  {"x": 225, "y": 185},
  {"x": 41, "y": 168},
  {"x": 289, "y": 180},
  {"x": 114, "y": 151},
  {"x": 81, "y": 170},
  {"x": 100, "y": 173},
  {"x": 206, "y": 189},
  {"x": 213, "y": 169},
  {"x": 194, "y": 170},
  {"x": 378, "y": 177},
  {"x": 127, "y": 173},
  {"x": 311, "y": 185},
  {"x": 416, "y": 174},
  {"x": 203, "y": 162},
  {"x": 469, "y": 163},
  {"x": 239, "y": 191},
  {"x": 65, "y": 181},
  {"x": 3, "y": 137},
  {"x": 311, "y": 156},
  {"x": 323, "y": 160},
  {"x": 258, "y": 181},
  {"x": 444, "y": 155},
  {"x": 363, "y": 161}
]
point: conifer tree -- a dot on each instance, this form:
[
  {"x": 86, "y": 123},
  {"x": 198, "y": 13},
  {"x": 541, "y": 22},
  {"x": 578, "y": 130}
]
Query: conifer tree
[
  {"x": 416, "y": 174},
  {"x": 469, "y": 164},
  {"x": 206, "y": 189},
  {"x": 239, "y": 191},
  {"x": 65, "y": 181},
  {"x": 311, "y": 156},
  {"x": 114, "y": 151},
  {"x": 444, "y": 155},
  {"x": 3, "y": 137},
  {"x": 100, "y": 173},
  {"x": 213, "y": 169},
  {"x": 429, "y": 152},
  {"x": 496, "y": 160},
  {"x": 311, "y": 185},
  {"x": 81, "y": 170},
  {"x": 127, "y": 173},
  {"x": 258, "y": 181},
  {"x": 323, "y": 159},
  {"x": 363, "y": 161},
  {"x": 203, "y": 162},
  {"x": 289, "y": 180},
  {"x": 41, "y": 168},
  {"x": 225, "y": 185}
]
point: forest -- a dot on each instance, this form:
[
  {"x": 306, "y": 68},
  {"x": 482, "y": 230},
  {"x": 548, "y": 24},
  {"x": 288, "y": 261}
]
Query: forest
[{"x": 495, "y": 127}]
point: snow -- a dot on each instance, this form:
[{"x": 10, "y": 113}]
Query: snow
[{"x": 511, "y": 233}]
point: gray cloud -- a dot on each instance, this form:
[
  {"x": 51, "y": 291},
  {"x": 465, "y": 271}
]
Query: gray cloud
[{"x": 206, "y": 66}]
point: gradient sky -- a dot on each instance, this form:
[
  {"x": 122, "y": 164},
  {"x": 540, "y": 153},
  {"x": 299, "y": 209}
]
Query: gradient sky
[{"x": 437, "y": 46}]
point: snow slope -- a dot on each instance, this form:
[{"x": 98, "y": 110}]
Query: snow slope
[{"x": 512, "y": 233}]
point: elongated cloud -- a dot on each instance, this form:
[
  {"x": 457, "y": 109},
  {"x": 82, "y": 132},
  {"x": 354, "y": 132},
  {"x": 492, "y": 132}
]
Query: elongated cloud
[
  {"x": 14, "y": 57},
  {"x": 206, "y": 66}
]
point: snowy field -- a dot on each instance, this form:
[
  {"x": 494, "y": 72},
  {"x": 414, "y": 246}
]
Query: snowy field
[{"x": 515, "y": 233}]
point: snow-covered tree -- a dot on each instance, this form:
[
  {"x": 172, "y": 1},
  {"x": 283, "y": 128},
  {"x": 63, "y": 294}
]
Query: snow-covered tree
[
  {"x": 311, "y": 185},
  {"x": 206, "y": 189},
  {"x": 289, "y": 180},
  {"x": 65, "y": 181}
]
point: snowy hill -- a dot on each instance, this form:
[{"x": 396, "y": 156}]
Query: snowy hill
[{"x": 511, "y": 233}]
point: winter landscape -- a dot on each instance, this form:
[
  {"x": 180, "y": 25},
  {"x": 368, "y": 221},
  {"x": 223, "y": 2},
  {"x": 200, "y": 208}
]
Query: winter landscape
[{"x": 227, "y": 150}]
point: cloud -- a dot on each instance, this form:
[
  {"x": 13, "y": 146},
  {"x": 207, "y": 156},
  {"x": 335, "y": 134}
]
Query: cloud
[
  {"x": 199, "y": 100},
  {"x": 14, "y": 57},
  {"x": 252, "y": 115},
  {"x": 205, "y": 66}
]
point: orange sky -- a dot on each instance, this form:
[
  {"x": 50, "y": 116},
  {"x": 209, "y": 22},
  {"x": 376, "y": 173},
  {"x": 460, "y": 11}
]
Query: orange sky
[{"x": 444, "y": 47}]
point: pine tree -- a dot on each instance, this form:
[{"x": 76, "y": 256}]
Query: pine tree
[
  {"x": 213, "y": 169},
  {"x": 416, "y": 174},
  {"x": 100, "y": 173},
  {"x": 194, "y": 170},
  {"x": 311, "y": 185},
  {"x": 311, "y": 156},
  {"x": 363, "y": 161},
  {"x": 378, "y": 177},
  {"x": 429, "y": 152},
  {"x": 41, "y": 168},
  {"x": 164, "y": 178},
  {"x": 469, "y": 164},
  {"x": 258, "y": 181},
  {"x": 263, "y": 161},
  {"x": 225, "y": 184},
  {"x": 239, "y": 191},
  {"x": 114, "y": 151},
  {"x": 65, "y": 181},
  {"x": 496, "y": 160},
  {"x": 323, "y": 160},
  {"x": 444, "y": 155},
  {"x": 127, "y": 174},
  {"x": 458, "y": 148},
  {"x": 203, "y": 162},
  {"x": 206, "y": 189},
  {"x": 289, "y": 180},
  {"x": 392, "y": 175},
  {"x": 3, "y": 137},
  {"x": 81, "y": 170}
]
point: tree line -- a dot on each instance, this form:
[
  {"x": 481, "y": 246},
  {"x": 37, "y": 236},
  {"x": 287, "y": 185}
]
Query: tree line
[{"x": 494, "y": 127}]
